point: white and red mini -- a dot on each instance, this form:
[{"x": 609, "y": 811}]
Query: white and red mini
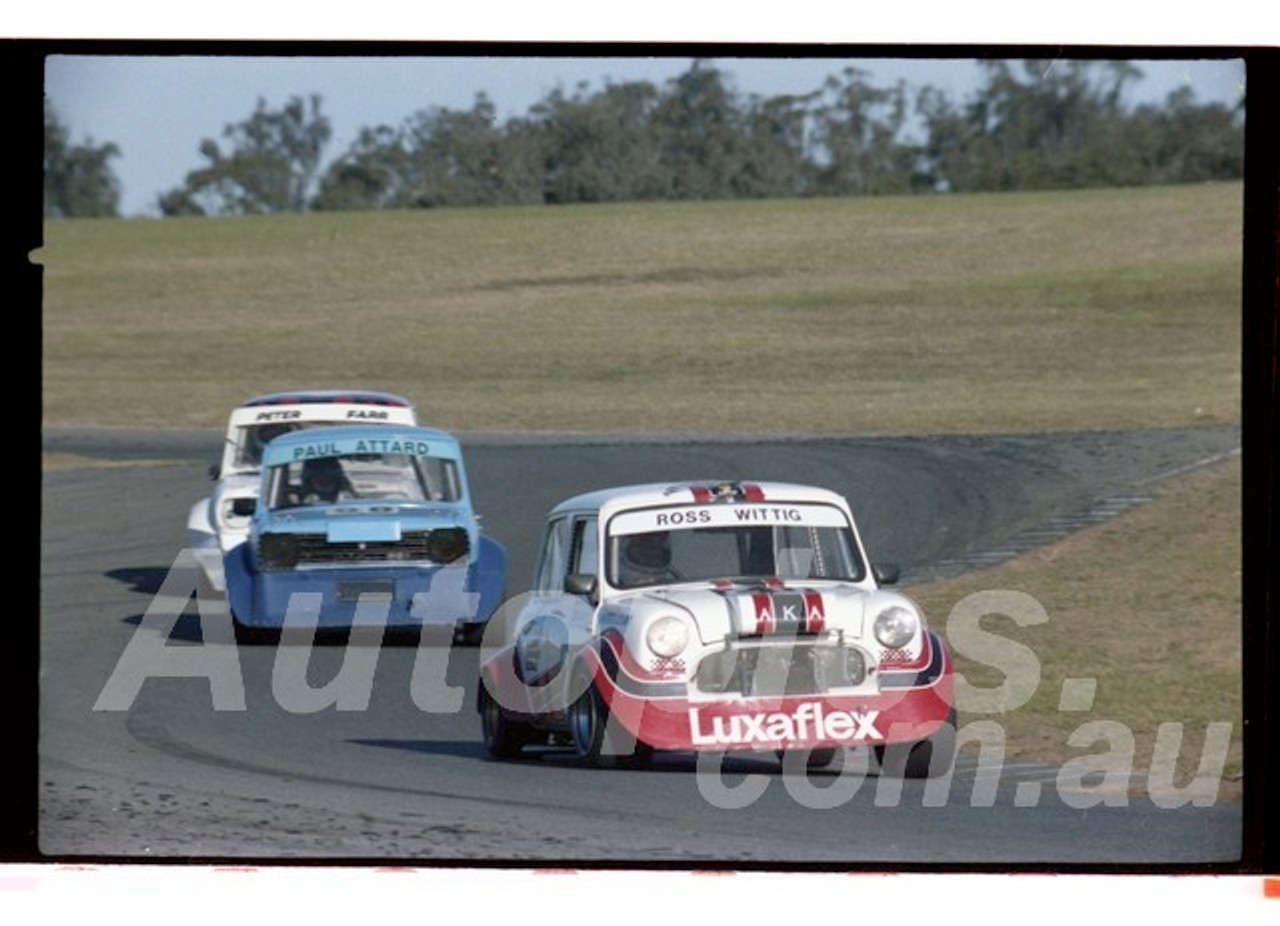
[{"x": 719, "y": 617}]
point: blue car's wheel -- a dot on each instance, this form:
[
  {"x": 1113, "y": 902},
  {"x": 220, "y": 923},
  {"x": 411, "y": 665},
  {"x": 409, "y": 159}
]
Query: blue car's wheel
[
  {"x": 503, "y": 738},
  {"x": 253, "y": 636}
]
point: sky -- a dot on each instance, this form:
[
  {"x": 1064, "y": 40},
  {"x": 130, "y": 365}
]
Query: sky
[{"x": 158, "y": 109}]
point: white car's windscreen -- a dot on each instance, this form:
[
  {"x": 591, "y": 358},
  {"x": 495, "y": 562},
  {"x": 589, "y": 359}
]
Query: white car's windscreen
[
  {"x": 251, "y": 439},
  {"x": 710, "y": 542},
  {"x": 393, "y": 477}
]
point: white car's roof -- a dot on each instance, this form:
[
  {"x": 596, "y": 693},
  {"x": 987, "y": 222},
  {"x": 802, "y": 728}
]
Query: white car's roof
[
  {"x": 357, "y": 396},
  {"x": 336, "y": 405},
  {"x": 681, "y": 493}
]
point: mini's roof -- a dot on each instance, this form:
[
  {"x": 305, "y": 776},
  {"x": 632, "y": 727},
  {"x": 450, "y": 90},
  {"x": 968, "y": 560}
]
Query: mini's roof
[
  {"x": 358, "y": 439},
  {"x": 335, "y": 396},
  {"x": 695, "y": 492}
]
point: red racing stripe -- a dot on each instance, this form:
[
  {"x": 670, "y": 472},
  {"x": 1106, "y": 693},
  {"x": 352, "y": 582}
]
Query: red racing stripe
[
  {"x": 815, "y": 616},
  {"x": 764, "y": 612}
]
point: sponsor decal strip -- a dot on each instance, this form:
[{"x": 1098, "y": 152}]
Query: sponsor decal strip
[
  {"x": 808, "y": 722},
  {"x": 778, "y": 611},
  {"x": 366, "y": 445},
  {"x": 792, "y": 722},
  {"x": 686, "y": 516}
]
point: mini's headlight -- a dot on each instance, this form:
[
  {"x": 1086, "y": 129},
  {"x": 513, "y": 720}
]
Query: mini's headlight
[
  {"x": 667, "y": 637},
  {"x": 895, "y": 626}
]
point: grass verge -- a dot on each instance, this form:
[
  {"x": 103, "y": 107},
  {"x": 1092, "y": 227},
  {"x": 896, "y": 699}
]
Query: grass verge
[
  {"x": 51, "y": 462},
  {"x": 1155, "y": 620}
]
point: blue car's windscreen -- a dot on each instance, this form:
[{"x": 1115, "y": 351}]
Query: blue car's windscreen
[{"x": 391, "y": 477}]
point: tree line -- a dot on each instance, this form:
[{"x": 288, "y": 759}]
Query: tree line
[{"x": 1030, "y": 125}]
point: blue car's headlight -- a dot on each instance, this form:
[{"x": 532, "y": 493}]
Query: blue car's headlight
[
  {"x": 447, "y": 544},
  {"x": 277, "y": 551}
]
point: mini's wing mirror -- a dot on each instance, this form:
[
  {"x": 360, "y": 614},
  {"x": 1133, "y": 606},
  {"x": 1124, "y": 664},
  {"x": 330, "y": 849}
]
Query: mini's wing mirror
[
  {"x": 215, "y": 470},
  {"x": 578, "y": 583},
  {"x": 886, "y": 573}
]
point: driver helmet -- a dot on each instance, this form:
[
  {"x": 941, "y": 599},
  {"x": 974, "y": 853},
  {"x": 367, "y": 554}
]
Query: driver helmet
[
  {"x": 648, "y": 552},
  {"x": 324, "y": 474}
]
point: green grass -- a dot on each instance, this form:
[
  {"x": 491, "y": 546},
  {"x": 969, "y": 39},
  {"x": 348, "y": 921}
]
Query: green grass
[{"x": 1015, "y": 312}]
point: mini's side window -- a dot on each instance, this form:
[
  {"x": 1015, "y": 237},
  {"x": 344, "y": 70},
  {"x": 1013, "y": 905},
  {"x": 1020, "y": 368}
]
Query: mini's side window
[
  {"x": 551, "y": 565},
  {"x": 582, "y": 552}
]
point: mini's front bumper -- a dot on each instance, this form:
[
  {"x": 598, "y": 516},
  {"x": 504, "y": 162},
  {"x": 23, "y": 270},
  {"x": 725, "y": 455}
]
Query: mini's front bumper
[
  {"x": 905, "y": 705},
  {"x": 792, "y": 721}
]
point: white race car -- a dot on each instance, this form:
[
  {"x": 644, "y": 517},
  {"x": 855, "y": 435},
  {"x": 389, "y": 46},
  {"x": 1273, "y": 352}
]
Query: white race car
[
  {"x": 220, "y": 523},
  {"x": 716, "y": 617}
]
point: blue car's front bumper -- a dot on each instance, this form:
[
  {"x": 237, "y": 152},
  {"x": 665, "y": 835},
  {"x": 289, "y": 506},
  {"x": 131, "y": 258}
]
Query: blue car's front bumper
[{"x": 398, "y": 596}]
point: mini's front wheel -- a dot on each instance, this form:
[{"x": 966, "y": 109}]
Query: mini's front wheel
[
  {"x": 588, "y": 717},
  {"x": 931, "y": 757},
  {"x": 599, "y": 742},
  {"x": 818, "y": 757}
]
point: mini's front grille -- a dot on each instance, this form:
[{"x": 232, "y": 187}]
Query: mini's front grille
[
  {"x": 287, "y": 551},
  {"x": 783, "y": 669}
]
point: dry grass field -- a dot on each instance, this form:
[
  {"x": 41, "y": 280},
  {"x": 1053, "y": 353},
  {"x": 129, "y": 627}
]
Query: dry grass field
[
  {"x": 1014, "y": 312},
  {"x": 1148, "y": 604}
]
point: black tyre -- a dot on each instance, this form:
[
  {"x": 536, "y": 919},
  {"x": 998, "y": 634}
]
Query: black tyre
[
  {"x": 598, "y": 743},
  {"x": 818, "y": 757},
  {"x": 504, "y": 738},
  {"x": 469, "y": 634},
  {"x": 929, "y": 758},
  {"x": 253, "y": 636},
  {"x": 588, "y": 720},
  {"x": 204, "y": 588}
]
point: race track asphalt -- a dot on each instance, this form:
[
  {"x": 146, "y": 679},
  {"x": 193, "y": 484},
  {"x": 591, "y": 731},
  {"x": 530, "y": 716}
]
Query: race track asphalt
[{"x": 175, "y": 775}]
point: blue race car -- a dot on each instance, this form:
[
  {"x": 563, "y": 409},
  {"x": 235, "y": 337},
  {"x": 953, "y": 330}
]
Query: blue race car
[{"x": 363, "y": 526}]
